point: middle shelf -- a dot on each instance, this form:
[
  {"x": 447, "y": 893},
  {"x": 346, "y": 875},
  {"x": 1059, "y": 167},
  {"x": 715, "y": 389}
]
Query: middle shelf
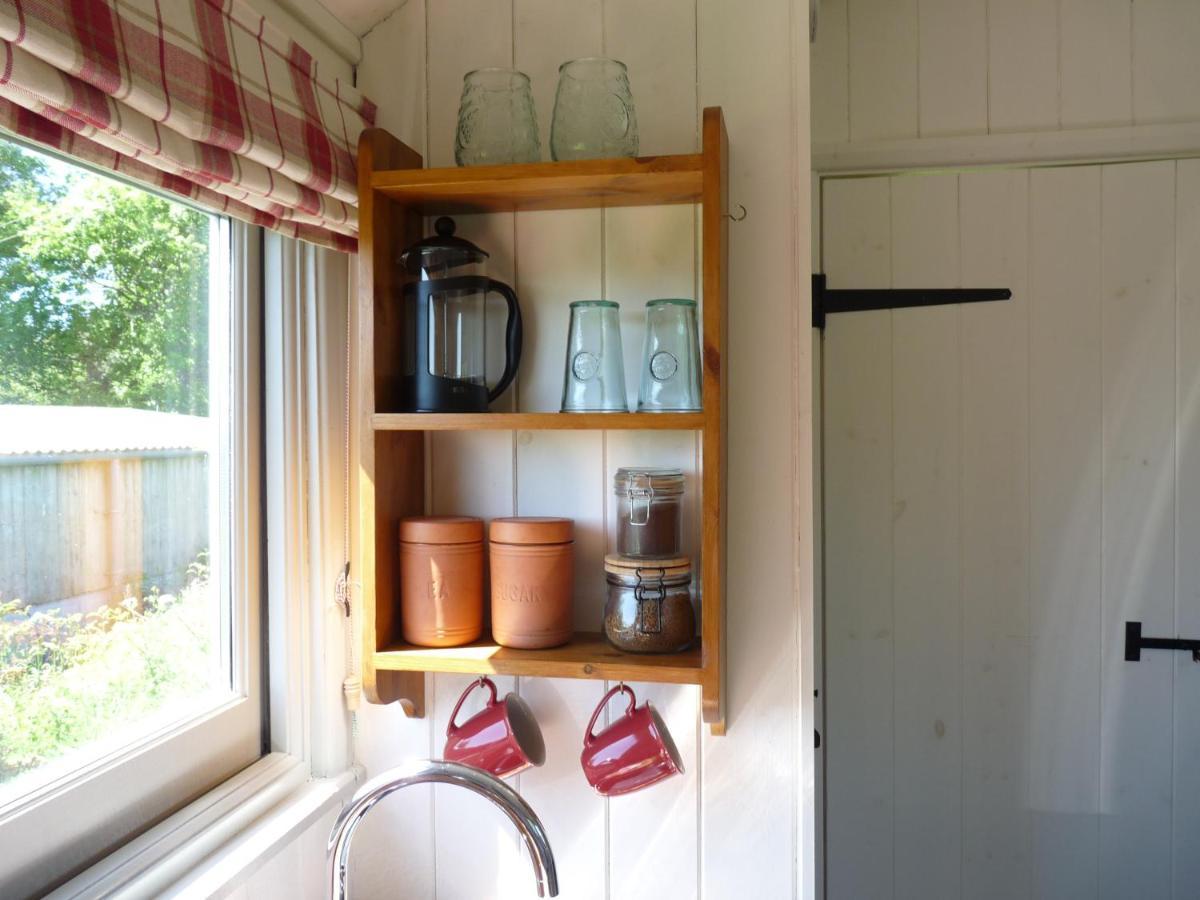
[{"x": 542, "y": 421}]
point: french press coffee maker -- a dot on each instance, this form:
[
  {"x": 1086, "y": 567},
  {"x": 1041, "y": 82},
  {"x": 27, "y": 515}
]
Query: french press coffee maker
[{"x": 445, "y": 334}]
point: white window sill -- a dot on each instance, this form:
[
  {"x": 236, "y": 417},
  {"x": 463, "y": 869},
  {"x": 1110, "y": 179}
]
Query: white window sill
[{"x": 213, "y": 844}]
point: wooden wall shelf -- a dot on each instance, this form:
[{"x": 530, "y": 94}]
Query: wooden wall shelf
[
  {"x": 539, "y": 421},
  {"x": 395, "y": 194}
]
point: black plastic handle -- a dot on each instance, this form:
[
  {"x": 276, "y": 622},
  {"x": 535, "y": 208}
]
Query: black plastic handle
[{"x": 513, "y": 337}]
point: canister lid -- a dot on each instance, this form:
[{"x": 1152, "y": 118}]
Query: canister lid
[
  {"x": 532, "y": 530},
  {"x": 660, "y": 480},
  {"x": 441, "y": 530},
  {"x": 630, "y": 565}
]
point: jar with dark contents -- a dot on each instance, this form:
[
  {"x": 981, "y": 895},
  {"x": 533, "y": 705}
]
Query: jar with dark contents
[
  {"x": 649, "y": 606},
  {"x": 649, "y": 512}
]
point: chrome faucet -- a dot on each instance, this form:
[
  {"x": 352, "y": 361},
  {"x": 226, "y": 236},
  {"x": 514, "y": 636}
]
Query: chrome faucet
[{"x": 424, "y": 771}]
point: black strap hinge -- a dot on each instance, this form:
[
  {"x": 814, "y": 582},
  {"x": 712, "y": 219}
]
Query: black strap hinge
[{"x": 826, "y": 301}]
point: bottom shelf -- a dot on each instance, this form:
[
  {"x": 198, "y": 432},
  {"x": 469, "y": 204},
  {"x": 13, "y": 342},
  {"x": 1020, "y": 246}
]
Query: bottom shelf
[{"x": 588, "y": 655}]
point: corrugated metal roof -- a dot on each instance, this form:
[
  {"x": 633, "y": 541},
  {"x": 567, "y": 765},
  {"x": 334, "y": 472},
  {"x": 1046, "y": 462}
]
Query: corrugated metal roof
[{"x": 45, "y": 430}]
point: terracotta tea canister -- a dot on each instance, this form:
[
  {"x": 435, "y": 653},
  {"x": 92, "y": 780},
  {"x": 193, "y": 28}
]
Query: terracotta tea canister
[
  {"x": 441, "y": 580},
  {"x": 533, "y": 577}
]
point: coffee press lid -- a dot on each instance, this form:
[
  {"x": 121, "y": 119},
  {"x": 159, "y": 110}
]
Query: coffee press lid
[{"x": 442, "y": 250}]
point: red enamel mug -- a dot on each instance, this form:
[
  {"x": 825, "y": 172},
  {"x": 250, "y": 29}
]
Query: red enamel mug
[
  {"x": 502, "y": 738},
  {"x": 632, "y": 753}
]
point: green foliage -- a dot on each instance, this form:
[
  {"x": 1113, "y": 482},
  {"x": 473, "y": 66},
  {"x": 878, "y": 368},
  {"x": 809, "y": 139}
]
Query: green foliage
[
  {"x": 66, "y": 680},
  {"x": 103, "y": 291},
  {"x": 103, "y": 302}
]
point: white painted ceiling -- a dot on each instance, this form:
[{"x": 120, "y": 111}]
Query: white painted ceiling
[{"x": 360, "y": 16}]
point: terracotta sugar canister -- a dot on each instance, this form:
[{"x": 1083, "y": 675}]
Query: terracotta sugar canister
[
  {"x": 533, "y": 576},
  {"x": 441, "y": 580}
]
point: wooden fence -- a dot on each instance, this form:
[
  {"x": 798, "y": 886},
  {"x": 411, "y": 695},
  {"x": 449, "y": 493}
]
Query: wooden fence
[{"x": 82, "y": 531}]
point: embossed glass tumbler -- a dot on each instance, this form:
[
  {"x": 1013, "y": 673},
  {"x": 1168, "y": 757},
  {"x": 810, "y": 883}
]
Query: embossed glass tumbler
[
  {"x": 594, "y": 116},
  {"x": 671, "y": 358},
  {"x": 594, "y": 380},
  {"x": 496, "y": 120}
]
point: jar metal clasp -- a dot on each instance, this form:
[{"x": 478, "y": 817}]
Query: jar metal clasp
[
  {"x": 650, "y": 595},
  {"x": 640, "y": 489}
]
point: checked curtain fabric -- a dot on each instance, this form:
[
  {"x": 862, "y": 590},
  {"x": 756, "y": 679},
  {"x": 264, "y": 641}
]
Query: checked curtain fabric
[{"x": 202, "y": 98}]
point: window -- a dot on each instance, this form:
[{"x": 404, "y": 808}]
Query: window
[{"x": 129, "y": 449}]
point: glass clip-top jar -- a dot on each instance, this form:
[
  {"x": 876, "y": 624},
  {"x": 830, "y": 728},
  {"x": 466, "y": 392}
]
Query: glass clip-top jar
[
  {"x": 649, "y": 606},
  {"x": 649, "y": 512}
]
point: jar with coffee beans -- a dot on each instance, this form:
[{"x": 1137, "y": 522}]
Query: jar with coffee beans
[{"x": 649, "y": 606}]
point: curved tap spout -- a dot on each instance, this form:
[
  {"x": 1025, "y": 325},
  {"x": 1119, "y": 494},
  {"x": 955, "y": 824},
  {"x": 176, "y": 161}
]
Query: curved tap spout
[{"x": 432, "y": 771}]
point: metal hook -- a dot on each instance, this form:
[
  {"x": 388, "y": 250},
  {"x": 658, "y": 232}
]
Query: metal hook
[{"x": 733, "y": 218}]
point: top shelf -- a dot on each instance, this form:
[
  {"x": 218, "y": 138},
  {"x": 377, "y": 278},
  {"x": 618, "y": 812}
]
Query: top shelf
[{"x": 582, "y": 184}]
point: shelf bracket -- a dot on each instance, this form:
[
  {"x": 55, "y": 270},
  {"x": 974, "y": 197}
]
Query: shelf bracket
[
  {"x": 826, "y": 300},
  {"x": 1135, "y": 643}
]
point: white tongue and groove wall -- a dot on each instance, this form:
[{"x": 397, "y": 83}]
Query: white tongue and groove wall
[
  {"x": 897, "y": 70},
  {"x": 727, "y": 827},
  {"x": 1007, "y": 484}
]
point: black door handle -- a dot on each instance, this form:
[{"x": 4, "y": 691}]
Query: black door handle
[{"x": 1135, "y": 643}]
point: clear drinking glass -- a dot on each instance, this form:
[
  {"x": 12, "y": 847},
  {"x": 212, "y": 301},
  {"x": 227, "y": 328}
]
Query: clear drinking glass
[
  {"x": 496, "y": 119},
  {"x": 594, "y": 380},
  {"x": 670, "y": 358},
  {"x": 594, "y": 116}
]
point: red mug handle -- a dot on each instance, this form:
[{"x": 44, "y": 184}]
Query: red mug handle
[
  {"x": 589, "y": 737},
  {"x": 479, "y": 682}
]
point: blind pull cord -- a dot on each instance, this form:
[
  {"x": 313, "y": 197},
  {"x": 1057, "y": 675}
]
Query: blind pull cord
[{"x": 343, "y": 587}]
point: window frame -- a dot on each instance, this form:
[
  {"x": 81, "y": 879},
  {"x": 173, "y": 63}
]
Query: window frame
[{"x": 56, "y": 831}]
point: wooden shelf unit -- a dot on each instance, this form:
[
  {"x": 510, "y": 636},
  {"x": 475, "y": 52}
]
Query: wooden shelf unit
[{"x": 395, "y": 194}]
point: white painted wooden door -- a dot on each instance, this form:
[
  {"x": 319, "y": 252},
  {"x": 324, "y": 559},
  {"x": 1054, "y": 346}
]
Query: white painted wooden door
[{"x": 1004, "y": 486}]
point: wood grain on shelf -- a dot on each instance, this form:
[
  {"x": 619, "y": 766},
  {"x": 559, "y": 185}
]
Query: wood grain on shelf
[
  {"x": 714, "y": 250},
  {"x": 396, "y": 487},
  {"x": 539, "y": 421},
  {"x": 588, "y": 655},
  {"x": 645, "y": 181}
]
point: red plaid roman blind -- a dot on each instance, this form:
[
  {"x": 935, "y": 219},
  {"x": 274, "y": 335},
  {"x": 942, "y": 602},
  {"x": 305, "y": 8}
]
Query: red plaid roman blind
[{"x": 201, "y": 97}]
